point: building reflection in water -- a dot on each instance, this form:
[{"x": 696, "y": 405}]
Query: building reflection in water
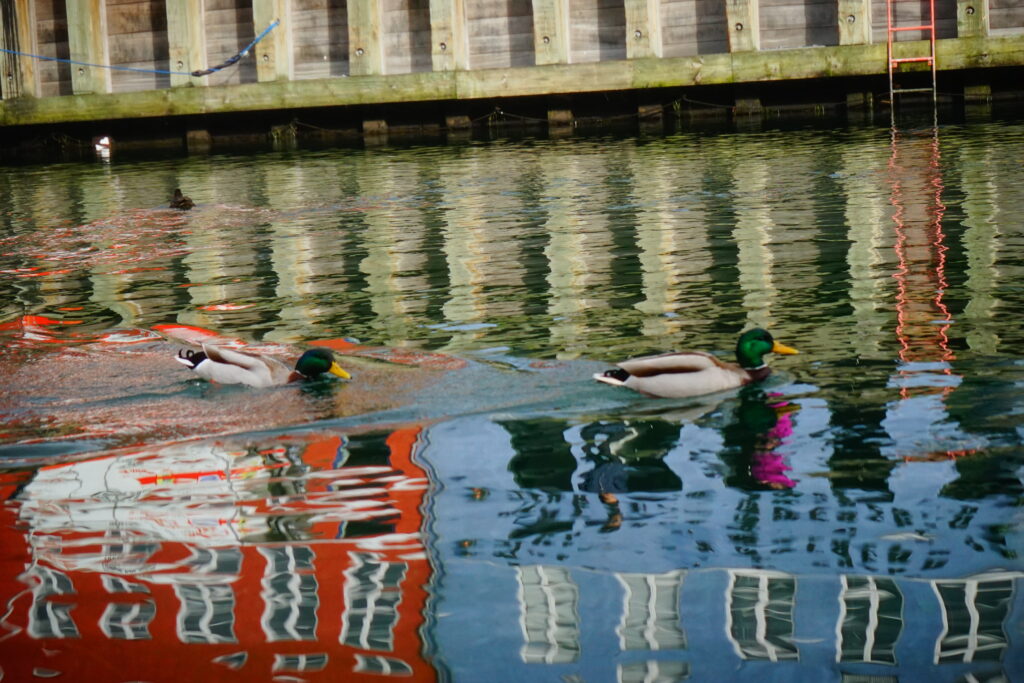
[
  {"x": 275, "y": 556},
  {"x": 304, "y": 556},
  {"x": 658, "y": 550}
]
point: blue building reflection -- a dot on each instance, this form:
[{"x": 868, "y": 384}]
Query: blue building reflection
[{"x": 650, "y": 550}]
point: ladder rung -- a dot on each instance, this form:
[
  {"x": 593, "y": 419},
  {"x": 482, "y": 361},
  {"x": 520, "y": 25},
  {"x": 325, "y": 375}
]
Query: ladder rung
[
  {"x": 923, "y": 27},
  {"x": 904, "y": 60},
  {"x": 895, "y": 90}
]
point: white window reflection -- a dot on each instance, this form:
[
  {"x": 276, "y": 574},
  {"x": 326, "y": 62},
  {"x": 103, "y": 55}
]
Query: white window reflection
[
  {"x": 372, "y": 595},
  {"x": 207, "y": 613},
  {"x": 759, "y": 615},
  {"x": 650, "y": 614},
  {"x": 128, "y": 621},
  {"x": 870, "y": 620},
  {"x": 973, "y": 613},
  {"x": 549, "y": 616},
  {"x": 290, "y": 597},
  {"x": 49, "y": 619}
]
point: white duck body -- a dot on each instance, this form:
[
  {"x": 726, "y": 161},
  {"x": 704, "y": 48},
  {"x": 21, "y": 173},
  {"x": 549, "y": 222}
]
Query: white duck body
[
  {"x": 695, "y": 373},
  {"x": 679, "y": 375},
  {"x": 235, "y": 367}
]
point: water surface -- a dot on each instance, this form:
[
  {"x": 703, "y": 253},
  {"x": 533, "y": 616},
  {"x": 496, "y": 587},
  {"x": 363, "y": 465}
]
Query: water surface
[{"x": 473, "y": 506}]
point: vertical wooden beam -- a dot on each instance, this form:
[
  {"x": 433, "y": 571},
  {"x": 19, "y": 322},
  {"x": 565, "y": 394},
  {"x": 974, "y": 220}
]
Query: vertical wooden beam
[
  {"x": 274, "y": 54},
  {"x": 87, "y": 42},
  {"x": 449, "y": 49},
  {"x": 854, "y": 22},
  {"x": 643, "y": 28},
  {"x": 551, "y": 31},
  {"x": 743, "y": 24},
  {"x": 365, "y": 44},
  {"x": 18, "y": 75},
  {"x": 186, "y": 40},
  {"x": 28, "y": 38},
  {"x": 971, "y": 18}
]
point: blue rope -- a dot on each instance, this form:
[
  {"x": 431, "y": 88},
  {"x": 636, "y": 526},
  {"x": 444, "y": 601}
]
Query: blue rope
[{"x": 197, "y": 73}]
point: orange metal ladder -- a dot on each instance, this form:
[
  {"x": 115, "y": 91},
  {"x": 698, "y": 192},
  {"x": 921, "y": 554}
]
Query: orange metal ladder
[{"x": 895, "y": 62}]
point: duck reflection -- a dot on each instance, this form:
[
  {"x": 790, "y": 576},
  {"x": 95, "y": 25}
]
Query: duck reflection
[
  {"x": 755, "y": 441},
  {"x": 629, "y": 456}
]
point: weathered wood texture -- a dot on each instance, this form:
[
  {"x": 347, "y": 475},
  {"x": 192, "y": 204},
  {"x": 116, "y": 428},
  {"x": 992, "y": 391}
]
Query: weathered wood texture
[
  {"x": 971, "y": 18},
  {"x": 229, "y": 28},
  {"x": 52, "y": 41},
  {"x": 87, "y": 45},
  {"x": 798, "y": 23},
  {"x": 913, "y": 13},
  {"x": 739, "y": 67},
  {"x": 743, "y": 24},
  {"x": 551, "y": 32},
  {"x": 320, "y": 38},
  {"x": 274, "y": 53},
  {"x": 597, "y": 30},
  {"x": 1005, "y": 15},
  {"x": 643, "y": 28},
  {"x": 137, "y": 34},
  {"x": 405, "y": 27},
  {"x": 693, "y": 27},
  {"x": 18, "y": 76},
  {"x": 500, "y": 33},
  {"x": 854, "y": 17},
  {"x": 186, "y": 41},
  {"x": 449, "y": 46}
]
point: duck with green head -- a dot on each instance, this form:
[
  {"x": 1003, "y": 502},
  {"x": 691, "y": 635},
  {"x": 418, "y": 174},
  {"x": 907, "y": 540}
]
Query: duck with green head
[
  {"x": 226, "y": 366},
  {"x": 694, "y": 373}
]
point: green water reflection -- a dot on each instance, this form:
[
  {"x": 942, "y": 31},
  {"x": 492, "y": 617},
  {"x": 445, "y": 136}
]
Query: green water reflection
[{"x": 473, "y": 506}]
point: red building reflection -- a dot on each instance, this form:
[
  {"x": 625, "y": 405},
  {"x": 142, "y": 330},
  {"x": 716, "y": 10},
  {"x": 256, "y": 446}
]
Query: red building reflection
[
  {"x": 922, "y": 317},
  {"x": 295, "y": 558}
]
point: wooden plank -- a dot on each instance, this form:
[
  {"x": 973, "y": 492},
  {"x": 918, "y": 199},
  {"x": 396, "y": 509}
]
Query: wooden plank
[
  {"x": 274, "y": 54},
  {"x": 1005, "y": 15},
  {"x": 136, "y": 17},
  {"x": 137, "y": 38},
  {"x": 229, "y": 28},
  {"x": 643, "y": 28},
  {"x": 320, "y": 37},
  {"x": 19, "y": 74},
  {"x": 449, "y": 46},
  {"x": 551, "y": 31},
  {"x": 854, "y": 22},
  {"x": 366, "y": 49},
  {"x": 798, "y": 23},
  {"x": 51, "y": 40},
  {"x": 972, "y": 18},
  {"x": 687, "y": 30},
  {"x": 742, "y": 18},
  {"x": 914, "y": 13},
  {"x": 186, "y": 40},
  {"x": 405, "y": 34},
  {"x": 804, "y": 63},
  {"x": 597, "y": 30},
  {"x": 87, "y": 42},
  {"x": 500, "y": 33}
]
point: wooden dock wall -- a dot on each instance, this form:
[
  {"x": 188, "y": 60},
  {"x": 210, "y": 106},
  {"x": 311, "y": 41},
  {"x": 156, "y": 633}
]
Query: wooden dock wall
[{"x": 352, "y": 52}]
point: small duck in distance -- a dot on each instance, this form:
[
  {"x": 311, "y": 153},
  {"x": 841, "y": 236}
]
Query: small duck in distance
[
  {"x": 695, "y": 373},
  {"x": 180, "y": 201},
  {"x": 226, "y": 366}
]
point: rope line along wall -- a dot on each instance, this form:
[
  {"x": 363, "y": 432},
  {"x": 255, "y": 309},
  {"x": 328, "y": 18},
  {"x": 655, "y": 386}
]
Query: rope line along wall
[{"x": 197, "y": 73}]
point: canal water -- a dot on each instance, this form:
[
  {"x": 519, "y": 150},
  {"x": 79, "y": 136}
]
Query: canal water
[{"x": 472, "y": 506}]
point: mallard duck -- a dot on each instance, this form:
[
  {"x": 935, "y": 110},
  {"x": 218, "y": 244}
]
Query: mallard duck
[
  {"x": 694, "y": 373},
  {"x": 180, "y": 201},
  {"x": 235, "y": 367}
]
